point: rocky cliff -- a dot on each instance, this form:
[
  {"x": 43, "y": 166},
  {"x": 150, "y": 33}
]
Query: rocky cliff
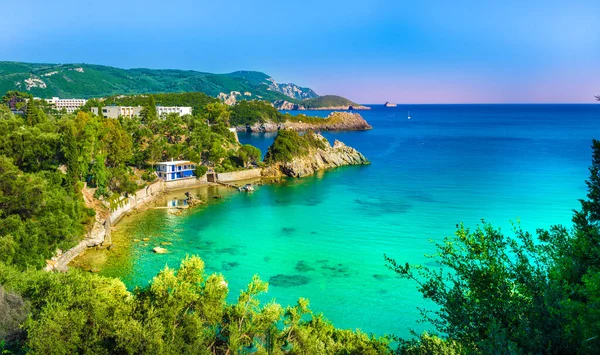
[
  {"x": 317, "y": 159},
  {"x": 336, "y": 121}
]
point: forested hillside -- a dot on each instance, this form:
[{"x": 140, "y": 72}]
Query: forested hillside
[{"x": 88, "y": 81}]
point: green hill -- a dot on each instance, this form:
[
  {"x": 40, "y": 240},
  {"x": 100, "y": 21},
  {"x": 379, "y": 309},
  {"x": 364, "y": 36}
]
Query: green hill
[
  {"x": 327, "y": 101},
  {"x": 88, "y": 81}
]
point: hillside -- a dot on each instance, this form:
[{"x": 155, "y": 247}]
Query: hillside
[{"x": 87, "y": 81}]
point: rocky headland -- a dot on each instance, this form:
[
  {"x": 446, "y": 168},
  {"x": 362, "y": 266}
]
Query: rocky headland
[
  {"x": 317, "y": 159},
  {"x": 291, "y": 106},
  {"x": 336, "y": 121}
]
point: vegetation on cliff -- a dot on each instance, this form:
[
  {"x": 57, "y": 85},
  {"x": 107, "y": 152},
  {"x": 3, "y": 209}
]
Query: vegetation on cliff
[
  {"x": 295, "y": 155},
  {"x": 289, "y": 145}
]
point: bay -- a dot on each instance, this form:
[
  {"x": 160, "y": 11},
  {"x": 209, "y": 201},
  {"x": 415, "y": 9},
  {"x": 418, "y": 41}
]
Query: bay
[{"x": 323, "y": 237}]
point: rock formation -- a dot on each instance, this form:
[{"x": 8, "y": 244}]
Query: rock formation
[
  {"x": 317, "y": 159},
  {"x": 286, "y": 105},
  {"x": 336, "y": 121}
]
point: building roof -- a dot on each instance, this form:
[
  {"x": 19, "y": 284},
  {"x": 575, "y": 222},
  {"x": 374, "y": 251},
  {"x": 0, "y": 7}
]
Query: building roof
[{"x": 175, "y": 162}]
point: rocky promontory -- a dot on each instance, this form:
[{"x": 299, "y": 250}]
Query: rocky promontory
[
  {"x": 336, "y": 121},
  {"x": 291, "y": 106},
  {"x": 317, "y": 159}
]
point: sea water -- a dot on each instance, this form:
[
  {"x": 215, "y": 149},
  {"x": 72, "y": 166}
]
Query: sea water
[{"x": 324, "y": 237}]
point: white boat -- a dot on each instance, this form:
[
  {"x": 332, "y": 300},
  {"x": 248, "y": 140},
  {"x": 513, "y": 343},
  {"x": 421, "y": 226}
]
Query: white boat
[
  {"x": 409, "y": 115},
  {"x": 389, "y": 104}
]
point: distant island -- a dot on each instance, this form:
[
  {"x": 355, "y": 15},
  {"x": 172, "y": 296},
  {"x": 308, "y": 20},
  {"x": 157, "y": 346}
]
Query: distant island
[
  {"x": 389, "y": 104},
  {"x": 86, "y": 81}
]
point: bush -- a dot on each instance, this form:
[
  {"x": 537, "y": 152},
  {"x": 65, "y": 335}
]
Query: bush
[
  {"x": 201, "y": 170},
  {"x": 149, "y": 176}
]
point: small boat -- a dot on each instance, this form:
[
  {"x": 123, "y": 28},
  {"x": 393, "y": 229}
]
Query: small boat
[
  {"x": 409, "y": 115},
  {"x": 389, "y": 104},
  {"x": 248, "y": 188}
]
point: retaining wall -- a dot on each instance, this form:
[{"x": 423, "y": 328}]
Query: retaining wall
[
  {"x": 185, "y": 183},
  {"x": 239, "y": 175}
]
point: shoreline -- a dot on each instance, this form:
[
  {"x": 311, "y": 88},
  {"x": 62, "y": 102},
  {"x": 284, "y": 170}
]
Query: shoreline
[
  {"x": 93, "y": 259},
  {"x": 99, "y": 235}
]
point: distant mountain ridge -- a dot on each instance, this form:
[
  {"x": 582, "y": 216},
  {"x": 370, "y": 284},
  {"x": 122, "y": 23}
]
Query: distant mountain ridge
[{"x": 90, "y": 80}]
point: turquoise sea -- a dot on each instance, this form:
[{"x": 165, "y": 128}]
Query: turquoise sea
[{"x": 324, "y": 237}]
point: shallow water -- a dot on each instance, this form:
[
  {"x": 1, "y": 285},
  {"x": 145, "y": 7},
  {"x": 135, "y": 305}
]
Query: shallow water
[{"x": 324, "y": 237}]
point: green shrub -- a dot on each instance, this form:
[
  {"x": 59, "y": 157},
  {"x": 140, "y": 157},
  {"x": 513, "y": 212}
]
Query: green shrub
[{"x": 201, "y": 170}]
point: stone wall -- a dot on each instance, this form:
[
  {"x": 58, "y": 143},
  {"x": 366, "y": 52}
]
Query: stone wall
[
  {"x": 185, "y": 183},
  {"x": 239, "y": 175},
  {"x": 143, "y": 195}
]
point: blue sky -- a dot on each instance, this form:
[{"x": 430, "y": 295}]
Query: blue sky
[{"x": 370, "y": 51}]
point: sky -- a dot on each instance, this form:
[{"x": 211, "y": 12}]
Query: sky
[{"x": 369, "y": 51}]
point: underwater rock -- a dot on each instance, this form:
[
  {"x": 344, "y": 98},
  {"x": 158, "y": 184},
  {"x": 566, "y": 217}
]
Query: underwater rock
[
  {"x": 288, "y": 280},
  {"x": 288, "y": 230},
  {"x": 302, "y": 266},
  {"x": 229, "y": 265},
  {"x": 380, "y": 277},
  {"x": 159, "y": 250}
]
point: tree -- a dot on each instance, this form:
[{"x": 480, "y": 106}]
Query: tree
[
  {"x": 33, "y": 114},
  {"x": 249, "y": 153},
  {"x": 5, "y": 113},
  {"x": 148, "y": 113},
  {"x": 218, "y": 113}
]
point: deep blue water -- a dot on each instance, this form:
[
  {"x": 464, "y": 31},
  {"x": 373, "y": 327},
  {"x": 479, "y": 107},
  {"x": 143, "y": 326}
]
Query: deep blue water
[{"x": 448, "y": 164}]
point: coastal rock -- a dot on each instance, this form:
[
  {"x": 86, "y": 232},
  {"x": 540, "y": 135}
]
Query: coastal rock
[
  {"x": 318, "y": 159},
  {"x": 336, "y": 121},
  {"x": 286, "y": 105}
]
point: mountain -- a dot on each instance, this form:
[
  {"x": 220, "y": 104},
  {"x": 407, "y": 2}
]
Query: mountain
[{"x": 87, "y": 81}]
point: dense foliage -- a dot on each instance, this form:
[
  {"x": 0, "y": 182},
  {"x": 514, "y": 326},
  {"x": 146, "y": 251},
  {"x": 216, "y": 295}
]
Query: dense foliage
[
  {"x": 37, "y": 215},
  {"x": 47, "y": 156},
  {"x": 251, "y": 112},
  {"x": 289, "y": 144},
  {"x": 518, "y": 295},
  {"x": 181, "y": 312}
]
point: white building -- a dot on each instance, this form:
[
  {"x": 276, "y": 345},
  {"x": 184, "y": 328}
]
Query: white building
[
  {"x": 175, "y": 170},
  {"x": 132, "y": 111},
  {"x": 117, "y": 111},
  {"x": 165, "y": 110},
  {"x": 71, "y": 105}
]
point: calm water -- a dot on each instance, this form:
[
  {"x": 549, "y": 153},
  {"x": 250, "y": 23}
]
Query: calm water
[{"x": 328, "y": 233}]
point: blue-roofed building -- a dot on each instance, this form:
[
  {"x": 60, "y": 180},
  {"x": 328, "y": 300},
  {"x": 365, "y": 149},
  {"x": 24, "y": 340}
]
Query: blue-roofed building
[{"x": 176, "y": 170}]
